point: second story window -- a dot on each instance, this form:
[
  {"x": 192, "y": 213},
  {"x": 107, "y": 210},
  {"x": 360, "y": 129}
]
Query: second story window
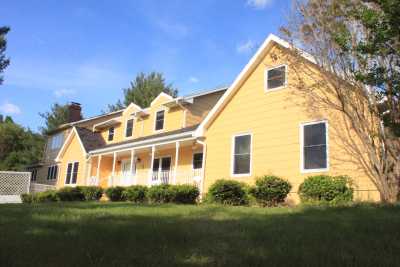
[
  {"x": 275, "y": 78},
  {"x": 129, "y": 128},
  {"x": 159, "y": 124},
  {"x": 111, "y": 134}
]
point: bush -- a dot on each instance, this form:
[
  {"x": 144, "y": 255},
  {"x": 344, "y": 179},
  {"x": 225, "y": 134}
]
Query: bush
[
  {"x": 27, "y": 198},
  {"x": 115, "y": 193},
  {"x": 185, "y": 194},
  {"x": 324, "y": 188},
  {"x": 70, "y": 194},
  {"x": 160, "y": 194},
  {"x": 91, "y": 192},
  {"x": 270, "y": 190},
  {"x": 46, "y": 196},
  {"x": 135, "y": 193},
  {"x": 228, "y": 192}
]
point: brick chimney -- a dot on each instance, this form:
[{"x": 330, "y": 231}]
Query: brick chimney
[{"x": 74, "y": 112}]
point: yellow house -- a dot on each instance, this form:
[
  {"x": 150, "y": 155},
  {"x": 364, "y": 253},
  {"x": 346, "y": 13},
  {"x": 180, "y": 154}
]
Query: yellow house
[{"x": 259, "y": 125}]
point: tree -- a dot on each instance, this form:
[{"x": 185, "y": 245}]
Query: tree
[
  {"x": 57, "y": 116},
  {"x": 19, "y": 147},
  {"x": 356, "y": 45},
  {"x": 143, "y": 90},
  {"x": 4, "y": 61}
]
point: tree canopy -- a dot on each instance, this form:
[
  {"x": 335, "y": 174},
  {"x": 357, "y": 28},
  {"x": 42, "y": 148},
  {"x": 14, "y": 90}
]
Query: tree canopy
[
  {"x": 19, "y": 147},
  {"x": 143, "y": 90},
  {"x": 357, "y": 45},
  {"x": 4, "y": 61},
  {"x": 57, "y": 116}
]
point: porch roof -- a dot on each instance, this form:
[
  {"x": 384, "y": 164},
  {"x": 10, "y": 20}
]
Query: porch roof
[{"x": 148, "y": 140}]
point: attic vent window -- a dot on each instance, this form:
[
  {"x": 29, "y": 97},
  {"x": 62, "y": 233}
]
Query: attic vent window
[{"x": 276, "y": 78}]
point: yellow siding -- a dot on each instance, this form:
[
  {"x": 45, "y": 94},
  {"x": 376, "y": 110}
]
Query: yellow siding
[
  {"x": 273, "y": 118},
  {"x": 73, "y": 152},
  {"x": 197, "y": 111}
]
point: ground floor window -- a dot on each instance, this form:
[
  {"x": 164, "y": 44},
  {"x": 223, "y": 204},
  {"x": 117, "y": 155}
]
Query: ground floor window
[
  {"x": 197, "y": 160},
  {"x": 33, "y": 175},
  {"x": 72, "y": 173},
  {"x": 241, "y": 157},
  {"x": 52, "y": 172},
  {"x": 314, "y": 146}
]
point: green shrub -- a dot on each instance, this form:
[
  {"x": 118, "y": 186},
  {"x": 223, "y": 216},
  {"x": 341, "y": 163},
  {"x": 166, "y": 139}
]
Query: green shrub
[
  {"x": 46, "y": 196},
  {"x": 270, "y": 190},
  {"x": 160, "y": 193},
  {"x": 70, "y": 194},
  {"x": 27, "y": 198},
  {"x": 228, "y": 192},
  {"x": 135, "y": 193},
  {"x": 328, "y": 189},
  {"x": 184, "y": 194},
  {"x": 115, "y": 193},
  {"x": 90, "y": 192}
]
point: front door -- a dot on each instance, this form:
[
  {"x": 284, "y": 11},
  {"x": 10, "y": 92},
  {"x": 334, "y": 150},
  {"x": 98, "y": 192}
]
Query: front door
[
  {"x": 126, "y": 175},
  {"x": 161, "y": 170}
]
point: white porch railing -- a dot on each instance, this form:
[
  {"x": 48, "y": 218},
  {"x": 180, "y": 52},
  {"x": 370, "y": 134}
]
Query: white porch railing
[{"x": 192, "y": 177}]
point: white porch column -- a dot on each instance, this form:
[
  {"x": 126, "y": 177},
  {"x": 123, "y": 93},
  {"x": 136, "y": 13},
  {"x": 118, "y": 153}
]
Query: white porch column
[
  {"x": 113, "y": 168},
  {"x": 131, "y": 168},
  {"x": 176, "y": 160},
  {"x": 153, "y": 150},
  {"x": 98, "y": 169}
]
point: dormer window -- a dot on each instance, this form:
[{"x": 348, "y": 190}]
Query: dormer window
[
  {"x": 159, "y": 123},
  {"x": 110, "y": 133},
  {"x": 129, "y": 128},
  {"x": 275, "y": 78}
]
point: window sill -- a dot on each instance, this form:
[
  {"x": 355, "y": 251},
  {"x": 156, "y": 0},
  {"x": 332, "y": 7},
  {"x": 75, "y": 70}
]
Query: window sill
[
  {"x": 314, "y": 170},
  {"x": 275, "y": 89}
]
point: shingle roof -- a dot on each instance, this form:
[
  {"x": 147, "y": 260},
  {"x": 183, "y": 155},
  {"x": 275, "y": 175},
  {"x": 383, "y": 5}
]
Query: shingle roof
[{"x": 90, "y": 140}]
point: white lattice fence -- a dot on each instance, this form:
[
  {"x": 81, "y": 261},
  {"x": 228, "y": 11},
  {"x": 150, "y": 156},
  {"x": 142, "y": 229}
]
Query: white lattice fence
[{"x": 12, "y": 185}]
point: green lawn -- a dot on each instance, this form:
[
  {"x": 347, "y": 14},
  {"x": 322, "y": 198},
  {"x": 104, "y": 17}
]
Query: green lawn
[{"x": 122, "y": 234}]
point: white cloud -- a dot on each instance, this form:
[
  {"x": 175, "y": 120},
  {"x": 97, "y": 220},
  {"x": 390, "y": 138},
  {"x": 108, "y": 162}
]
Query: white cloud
[
  {"x": 259, "y": 4},
  {"x": 193, "y": 79},
  {"x": 246, "y": 47},
  {"x": 9, "y": 108},
  {"x": 64, "y": 92}
]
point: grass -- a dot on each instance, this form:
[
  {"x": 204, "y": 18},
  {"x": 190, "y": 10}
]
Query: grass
[{"x": 122, "y": 234}]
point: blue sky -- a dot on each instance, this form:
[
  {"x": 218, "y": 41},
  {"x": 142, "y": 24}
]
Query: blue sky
[{"x": 87, "y": 51}]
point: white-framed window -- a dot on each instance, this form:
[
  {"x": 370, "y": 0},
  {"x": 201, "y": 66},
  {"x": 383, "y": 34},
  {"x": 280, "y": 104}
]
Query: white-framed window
[
  {"x": 241, "y": 155},
  {"x": 314, "y": 146},
  {"x": 33, "y": 175},
  {"x": 56, "y": 141},
  {"x": 111, "y": 133},
  {"x": 52, "y": 172},
  {"x": 159, "y": 120},
  {"x": 72, "y": 172},
  {"x": 275, "y": 78},
  {"x": 197, "y": 162},
  {"x": 129, "y": 128}
]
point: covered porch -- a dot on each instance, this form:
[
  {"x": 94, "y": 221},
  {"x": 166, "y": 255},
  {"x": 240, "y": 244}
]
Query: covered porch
[{"x": 177, "y": 162}]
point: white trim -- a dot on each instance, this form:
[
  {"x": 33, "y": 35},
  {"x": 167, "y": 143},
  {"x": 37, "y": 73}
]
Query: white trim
[
  {"x": 161, "y": 94},
  {"x": 242, "y": 75},
  {"x": 301, "y": 126},
  {"x": 155, "y": 120},
  {"x": 130, "y": 106},
  {"x": 153, "y": 151},
  {"x": 266, "y": 78},
  {"x": 146, "y": 143},
  {"x": 67, "y": 141},
  {"x": 117, "y": 121},
  {"x": 177, "y": 146},
  {"x": 72, "y": 171},
  {"x": 233, "y": 155}
]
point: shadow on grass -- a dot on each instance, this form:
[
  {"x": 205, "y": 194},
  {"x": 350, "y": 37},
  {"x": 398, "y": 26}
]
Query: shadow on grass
[{"x": 123, "y": 234}]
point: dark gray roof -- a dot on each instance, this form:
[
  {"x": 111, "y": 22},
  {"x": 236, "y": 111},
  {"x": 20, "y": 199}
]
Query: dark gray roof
[
  {"x": 90, "y": 140},
  {"x": 149, "y": 137}
]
